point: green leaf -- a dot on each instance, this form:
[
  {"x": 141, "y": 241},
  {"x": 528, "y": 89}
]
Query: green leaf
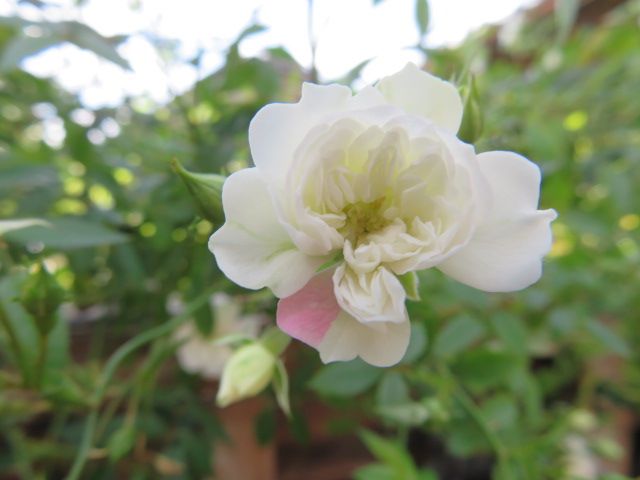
[
  {"x": 411, "y": 414},
  {"x": 233, "y": 53},
  {"x": 472, "y": 118},
  {"x": 206, "y": 191},
  {"x": 374, "y": 471},
  {"x": 353, "y": 74},
  {"x": 390, "y": 453},
  {"x": 608, "y": 338},
  {"x": 121, "y": 442},
  {"x": 500, "y": 411},
  {"x": 417, "y": 343},
  {"x": 427, "y": 474},
  {"x": 67, "y": 234},
  {"x": 566, "y": 12},
  {"x": 18, "y": 326},
  {"x": 23, "y": 47},
  {"x": 57, "y": 358},
  {"x": 484, "y": 368},
  {"x": 531, "y": 398},
  {"x": 465, "y": 438},
  {"x": 422, "y": 16},
  {"x": 392, "y": 389},
  {"x": 87, "y": 38},
  {"x": 411, "y": 283},
  {"x": 11, "y": 225},
  {"x": 345, "y": 379},
  {"x": 280, "y": 384},
  {"x": 511, "y": 331},
  {"x": 337, "y": 258},
  {"x": 457, "y": 335}
]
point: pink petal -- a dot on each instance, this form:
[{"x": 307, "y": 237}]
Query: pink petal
[{"x": 308, "y": 313}]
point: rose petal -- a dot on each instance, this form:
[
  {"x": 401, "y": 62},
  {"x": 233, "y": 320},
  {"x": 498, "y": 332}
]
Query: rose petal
[
  {"x": 308, "y": 313},
  {"x": 252, "y": 248},
  {"x": 505, "y": 253},
  {"x": 277, "y": 129},
  {"x": 381, "y": 344},
  {"x": 420, "y": 93},
  {"x": 375, "y": 296}
]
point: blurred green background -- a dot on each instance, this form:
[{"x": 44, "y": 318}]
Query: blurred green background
[{"x": 538, "y": 384}]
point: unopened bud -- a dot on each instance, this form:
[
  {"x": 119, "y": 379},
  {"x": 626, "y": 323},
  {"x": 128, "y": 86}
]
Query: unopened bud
[
  {"x": 248, "y": 372},
  {"x": 206, "y": 190},
  {"x": 472, "y": 118},
  {"x": 583, "y": 420},
  {"x": 41, "y": 296}
]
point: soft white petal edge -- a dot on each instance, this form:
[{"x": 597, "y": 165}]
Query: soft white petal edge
[
  {"x": 276, "y": 131},
  {"x": 505, "y": 253},
  {"x": 252, "y": 248},
  {"x": 420, "y": 93},
  {"x": 379, "y": 344}
]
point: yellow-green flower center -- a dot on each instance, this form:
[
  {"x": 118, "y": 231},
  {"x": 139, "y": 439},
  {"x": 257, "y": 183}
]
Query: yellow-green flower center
[{"x": 363, "y": 218}]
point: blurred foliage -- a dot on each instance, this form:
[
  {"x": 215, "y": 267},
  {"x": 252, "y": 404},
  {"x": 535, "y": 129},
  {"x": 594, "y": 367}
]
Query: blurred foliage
[{"x": 498, "y": 383}]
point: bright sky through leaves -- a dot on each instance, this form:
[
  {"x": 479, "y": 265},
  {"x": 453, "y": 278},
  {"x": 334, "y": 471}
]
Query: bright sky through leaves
[{"x": 348, "y": 32}]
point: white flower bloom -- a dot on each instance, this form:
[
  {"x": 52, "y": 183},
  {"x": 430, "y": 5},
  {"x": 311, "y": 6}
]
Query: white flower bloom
[
  {"x": 200, "y": 354},
  {"x": 381, "y": 178}
]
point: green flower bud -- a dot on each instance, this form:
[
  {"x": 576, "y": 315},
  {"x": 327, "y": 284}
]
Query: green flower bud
[
  {"x": 41, "y": 296},
  {"x": 248, "y": 372},
  {"x": 472, "y": 118},
  {"x": 583, "y": 420},
  {"x": 206, "y": 190}
]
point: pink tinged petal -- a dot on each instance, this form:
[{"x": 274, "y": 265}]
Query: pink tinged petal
[
  {"x": 252, "y": 248},
  {"x": 307, "y": 314},
  {"x": 505, "y": 253},
  {"x": 420, "y": 93},
  {"x": 381, "y": 344}
]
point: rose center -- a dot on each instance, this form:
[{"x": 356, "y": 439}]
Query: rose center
[{"x": 363, "y": 218}]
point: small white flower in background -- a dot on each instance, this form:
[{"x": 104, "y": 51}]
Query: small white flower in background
[
  {"x": 201, "y": 354},
  {"x": 581, "y": 461},
  {"x": 379, "y": 183}
]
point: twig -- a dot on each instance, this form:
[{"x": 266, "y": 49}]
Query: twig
[{"x": 110, "y": 369}]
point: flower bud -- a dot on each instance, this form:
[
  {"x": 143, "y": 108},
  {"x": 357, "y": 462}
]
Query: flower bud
[
  {"x": 472, "y": 119},
  {"x": 41, "y": 296},
  {"x": 247, "y": 373},
  {"x": 206, "y": 190},
  {"x": 583, "y": 420}
]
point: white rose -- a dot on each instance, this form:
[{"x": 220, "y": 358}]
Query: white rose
[{"x": 380, "y": 177}]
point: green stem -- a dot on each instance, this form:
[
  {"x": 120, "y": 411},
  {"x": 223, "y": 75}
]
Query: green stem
[
  {"x": 43, "y": 348},
  {"x": 110, "y": 368},
  {"x": 16, "y": 347},
  {"x": 471, "y": 409},
  {"x": 275, "y": 341},
  {"x": 108, "y": 412}
]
